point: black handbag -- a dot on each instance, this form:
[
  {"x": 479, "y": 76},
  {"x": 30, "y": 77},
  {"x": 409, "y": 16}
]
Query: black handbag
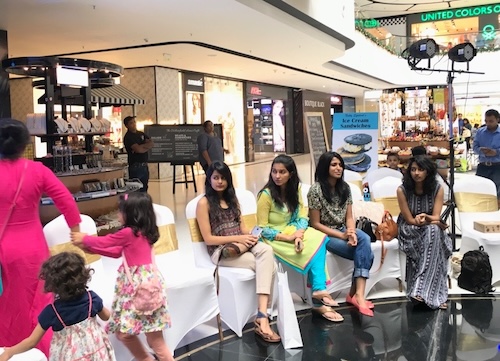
[{"x": 367, "y": 226}]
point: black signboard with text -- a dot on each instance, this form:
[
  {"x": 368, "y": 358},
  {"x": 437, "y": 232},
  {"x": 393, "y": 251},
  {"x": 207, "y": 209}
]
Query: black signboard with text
[
  {"x": 176, "y": 143},
  {"x": 316, "y": 135}
]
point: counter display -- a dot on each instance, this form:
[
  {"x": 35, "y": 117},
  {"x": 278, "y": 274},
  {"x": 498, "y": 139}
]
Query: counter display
[{"x": 92, "y": 201}]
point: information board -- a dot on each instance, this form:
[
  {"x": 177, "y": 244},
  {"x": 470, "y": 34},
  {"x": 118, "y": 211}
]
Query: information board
[
  {"x": 176, "y": 143},
  {"x": 316, "y": 135},
  {"x": 355, "y": 138}
]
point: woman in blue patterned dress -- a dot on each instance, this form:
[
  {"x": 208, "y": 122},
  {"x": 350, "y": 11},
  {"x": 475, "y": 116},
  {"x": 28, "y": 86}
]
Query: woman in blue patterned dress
[{"x": 422, "y": 235}]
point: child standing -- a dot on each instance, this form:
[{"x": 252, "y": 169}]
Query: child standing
[
  {"x": 134, "y": 242},
  {"x": 77, "y": 335}
]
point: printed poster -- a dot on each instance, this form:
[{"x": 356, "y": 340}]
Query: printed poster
[{"x": 355, "y": 138}]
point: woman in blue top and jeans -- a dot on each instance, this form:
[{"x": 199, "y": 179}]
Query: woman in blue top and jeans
[{"x": 330, "y": 211}]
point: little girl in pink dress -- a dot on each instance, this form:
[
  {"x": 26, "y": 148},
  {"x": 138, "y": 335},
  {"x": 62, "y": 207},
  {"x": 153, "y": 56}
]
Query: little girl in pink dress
[{"x": 134, "y": 242}]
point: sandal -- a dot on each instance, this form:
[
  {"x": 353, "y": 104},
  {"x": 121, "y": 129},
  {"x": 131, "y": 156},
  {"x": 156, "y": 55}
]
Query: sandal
[
  {"x": 273, "y": 337},
  {"x": 416, "y": 300},
  {"x": 443, "y": 306},
  {"x": 323, "y": 310},
  {"x": 324, "y": 299}
]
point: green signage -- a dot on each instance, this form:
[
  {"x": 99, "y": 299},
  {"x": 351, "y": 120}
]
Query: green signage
[
  {"x": 460, "y": 13},
  {"x": 368, "y": 23}
]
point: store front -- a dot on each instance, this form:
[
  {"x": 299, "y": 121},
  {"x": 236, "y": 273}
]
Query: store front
[
  {"x": 340, "y": 104},
  {"x": 476, "y": 24},
  {"x": 221, "y": 101},
  {"x": 267, "y": 120}
]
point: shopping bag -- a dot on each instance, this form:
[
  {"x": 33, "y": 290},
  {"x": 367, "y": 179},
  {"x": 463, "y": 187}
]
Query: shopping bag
[{"x": 288, "y": 325}]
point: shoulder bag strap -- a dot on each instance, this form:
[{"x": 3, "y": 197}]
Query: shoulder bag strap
[
  {"x": 9, "y": 212},
  {"x": 127, "y": 270},
  {"x": 58, "y": 316},
  {"x": 90, "y": 304}
]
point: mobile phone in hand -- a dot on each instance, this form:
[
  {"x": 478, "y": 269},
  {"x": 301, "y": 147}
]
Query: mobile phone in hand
[
  {"x": 256, "y": 231},
  {"x": 300, "y": 246}
]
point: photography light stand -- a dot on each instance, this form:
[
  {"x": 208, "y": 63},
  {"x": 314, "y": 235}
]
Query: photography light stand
[{"x": 450, "y": 204}]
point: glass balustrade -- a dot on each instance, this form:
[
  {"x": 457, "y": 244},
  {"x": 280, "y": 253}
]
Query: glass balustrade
[{"x": 485, "y": 41}]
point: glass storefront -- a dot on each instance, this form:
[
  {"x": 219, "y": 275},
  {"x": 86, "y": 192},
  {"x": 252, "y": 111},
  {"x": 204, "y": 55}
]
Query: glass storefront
[
  {"x": 266, "y": 116},
  {"x": 476, "y": 24}
]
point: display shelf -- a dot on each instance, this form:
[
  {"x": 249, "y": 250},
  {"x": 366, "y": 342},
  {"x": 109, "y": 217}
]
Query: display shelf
[
  {"x": 68, "y": 134},
  {"x": 403, "y": 144}
]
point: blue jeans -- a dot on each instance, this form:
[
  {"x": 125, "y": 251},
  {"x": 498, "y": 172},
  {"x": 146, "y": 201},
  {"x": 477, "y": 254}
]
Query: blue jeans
[
  {"x": 362, "y": 254},
  {"x": 492, "y": 172},
  {"x": 140, "y": 172}
]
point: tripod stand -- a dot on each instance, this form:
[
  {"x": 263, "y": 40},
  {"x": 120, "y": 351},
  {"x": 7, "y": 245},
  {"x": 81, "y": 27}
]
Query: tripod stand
[{"x": 450, "y": 204}]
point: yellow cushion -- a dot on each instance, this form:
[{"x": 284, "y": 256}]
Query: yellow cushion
[{"x": 248, "y": 220}]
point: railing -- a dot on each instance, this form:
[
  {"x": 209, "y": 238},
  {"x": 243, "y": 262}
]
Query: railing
[{"x": 485, "y": 41}]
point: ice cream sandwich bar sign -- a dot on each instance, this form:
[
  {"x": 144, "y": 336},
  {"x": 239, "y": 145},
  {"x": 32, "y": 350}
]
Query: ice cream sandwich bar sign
[{"x": 355, "y": 138}]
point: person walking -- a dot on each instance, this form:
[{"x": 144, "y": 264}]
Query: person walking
[
  {"x": 23, "y": 247},
  {"x": 134, "y": 243}
]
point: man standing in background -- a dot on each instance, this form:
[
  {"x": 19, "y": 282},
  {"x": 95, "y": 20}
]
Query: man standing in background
[
  {"x": 487, "y": 146},
  {"x": 137, "y": 145},
  {"x": 209, "y": 146}
]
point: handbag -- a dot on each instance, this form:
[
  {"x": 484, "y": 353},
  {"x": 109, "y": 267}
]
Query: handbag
[
  {"x": 366, "y": 225},
  {"x": 148, "y": 295},
  {"x": 9, "y": 213},
  {"x": 288, "y": 325},
  {"x": 386, "y": 231}
]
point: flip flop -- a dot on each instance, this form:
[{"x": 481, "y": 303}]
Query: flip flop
[
  {"x": 320, "y": 298},
  {"x": 323, "y": 310}
]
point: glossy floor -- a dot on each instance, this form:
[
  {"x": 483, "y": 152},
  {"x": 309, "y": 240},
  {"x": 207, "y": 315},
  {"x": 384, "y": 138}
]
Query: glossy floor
[
  {"x": 385, "y": 335},
  {"x": 468, "y": 331}
]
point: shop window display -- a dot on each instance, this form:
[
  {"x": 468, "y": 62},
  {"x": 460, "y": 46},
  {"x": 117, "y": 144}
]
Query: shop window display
[
  {"x": 223, "y": 105},
  {"x": 269, "y": 125}
]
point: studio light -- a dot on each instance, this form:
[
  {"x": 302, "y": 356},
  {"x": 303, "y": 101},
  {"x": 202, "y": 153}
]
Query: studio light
[
  {"x": 462, "y": 53},
  {"x": 423, "y": 49}
]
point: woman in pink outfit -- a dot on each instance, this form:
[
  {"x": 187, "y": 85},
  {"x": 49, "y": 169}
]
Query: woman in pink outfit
[{"x": 23, "y": 248}]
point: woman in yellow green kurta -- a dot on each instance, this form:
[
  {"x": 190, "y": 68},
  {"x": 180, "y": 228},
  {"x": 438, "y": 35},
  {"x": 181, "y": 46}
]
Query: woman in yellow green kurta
[{"x": 281, "y": 214}]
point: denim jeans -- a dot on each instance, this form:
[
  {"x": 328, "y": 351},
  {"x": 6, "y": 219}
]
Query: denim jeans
[
  {"x": 491, "y": 172},
  {"x": 140, "y": 172},
  {"x": 362, "y": 254}
]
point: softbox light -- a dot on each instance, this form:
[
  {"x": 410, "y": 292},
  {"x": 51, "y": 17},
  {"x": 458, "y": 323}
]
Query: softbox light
[
  {"x": 423, "y": 49},
  {"x": 462, "y": 53}
]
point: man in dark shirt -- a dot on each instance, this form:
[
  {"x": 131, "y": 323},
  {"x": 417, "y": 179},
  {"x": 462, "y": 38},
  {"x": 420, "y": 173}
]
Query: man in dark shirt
[
  {"x": 209, "y": 146},
  {"x": 137, "y": 145}
]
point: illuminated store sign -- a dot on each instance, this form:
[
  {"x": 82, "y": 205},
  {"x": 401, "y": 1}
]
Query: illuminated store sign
[
  {"x": 368, "y": 23},
  {"x": 460, "y": 13},
  {"x": 255, "y": 90}
]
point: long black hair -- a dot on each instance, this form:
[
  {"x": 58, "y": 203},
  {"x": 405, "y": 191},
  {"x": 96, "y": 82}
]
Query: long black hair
[
  {"x": 323, "y": 174},
  {"x": 14, "y": 137},
  {"x": 138, "y": 214},
  {"x": 430, "y": 182},
  {"x": 292, "y": 186},
  {"x": 229, "y": 194},
  {"x": 65, "y": 275}
]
